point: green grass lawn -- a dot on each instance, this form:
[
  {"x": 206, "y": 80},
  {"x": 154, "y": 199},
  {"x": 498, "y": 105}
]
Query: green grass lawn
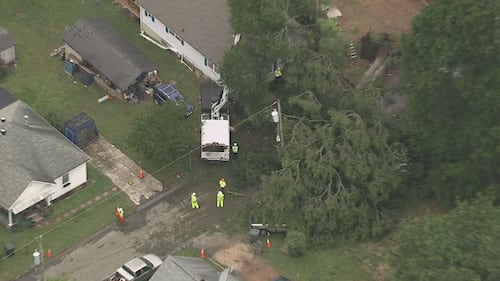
[
  {"x": 366, "y": 261},
  {"x": 67, "y": 233},
  {"x": 97, "y": 184},
  {"x": 40, "y": 80}
]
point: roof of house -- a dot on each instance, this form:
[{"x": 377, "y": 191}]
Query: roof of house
[
  {"x": 204, "y": 24},
  {"x": 104, "y": 48},
  {"x": 177, "y": 268},
  {"x": 6, "y": 39},
  {"x": 31, "y": 150}
]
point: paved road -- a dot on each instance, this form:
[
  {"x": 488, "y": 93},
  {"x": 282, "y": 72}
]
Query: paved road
[{"x": 161, "y": 228}]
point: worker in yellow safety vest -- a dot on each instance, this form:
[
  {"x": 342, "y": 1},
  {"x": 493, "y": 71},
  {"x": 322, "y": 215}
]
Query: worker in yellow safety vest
[
  {"x": 234, "y": 149},
  {"x": 220, "y": 199},
  {"x": 278, "y": 73},
  {"x": 194, "y": 201},
  {"x": 222, "y": 184}
]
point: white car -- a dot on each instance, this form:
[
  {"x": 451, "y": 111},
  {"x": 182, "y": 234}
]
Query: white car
[{"x": 137, "y": 269}]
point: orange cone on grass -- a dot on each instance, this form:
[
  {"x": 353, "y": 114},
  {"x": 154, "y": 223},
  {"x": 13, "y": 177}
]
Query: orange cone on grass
[
  {"x": 49, "y": 253},
  {"x": 268, "y": 244},
  {"x": 141, "y": 174},
  {"x": 202, "y": 254}
]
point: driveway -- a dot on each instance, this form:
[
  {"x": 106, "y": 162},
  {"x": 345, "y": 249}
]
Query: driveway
[{"x": 123, "y": 172}]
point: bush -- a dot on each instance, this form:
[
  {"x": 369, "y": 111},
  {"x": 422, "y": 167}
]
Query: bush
[
  {"x": 296, "y": 242},
  {"x": 251, "y": 165}
]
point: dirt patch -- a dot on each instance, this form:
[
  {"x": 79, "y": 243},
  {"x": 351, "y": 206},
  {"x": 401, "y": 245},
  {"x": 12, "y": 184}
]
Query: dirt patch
[
  {"x": 245, "y": 262},
  {"x": 382, "y": 16}
]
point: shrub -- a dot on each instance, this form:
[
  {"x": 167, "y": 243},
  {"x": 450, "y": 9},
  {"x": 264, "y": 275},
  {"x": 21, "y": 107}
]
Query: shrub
[
  {"x": 251, "y": 165},
  {"x": 296, "y": 242}
]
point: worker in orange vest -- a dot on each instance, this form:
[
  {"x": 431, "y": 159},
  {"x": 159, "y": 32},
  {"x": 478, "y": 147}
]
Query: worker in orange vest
[{"x": 120, "y": 214}]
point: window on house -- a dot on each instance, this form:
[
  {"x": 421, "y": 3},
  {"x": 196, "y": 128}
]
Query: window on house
[
  {"x": 205, "y": 62},
  {"x": 182, "y": 42},
  {"x": 146, "y": 13},
  {"x": 152, "y": 19},
  {"x": 166, "y": 29},
  {"x": 65, "y": 180}
]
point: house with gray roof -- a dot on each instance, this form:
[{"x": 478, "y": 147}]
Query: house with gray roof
[
  {"x": 92, "y": 42},
  {"x": 178, "y": 268},
  {"x": 198, "y": 31},
  {"x": 7, "y": 47},
  {"x": 37, "y": 162}
]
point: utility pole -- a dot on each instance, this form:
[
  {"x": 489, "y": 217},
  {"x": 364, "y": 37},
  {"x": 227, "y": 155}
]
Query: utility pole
[
  {"x": 280, "y": 124},
  {"x": 39, "y": 269}
]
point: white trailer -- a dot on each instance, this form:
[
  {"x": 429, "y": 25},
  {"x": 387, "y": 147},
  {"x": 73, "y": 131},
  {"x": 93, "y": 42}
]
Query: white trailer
[{"x": 215, "y": 129}]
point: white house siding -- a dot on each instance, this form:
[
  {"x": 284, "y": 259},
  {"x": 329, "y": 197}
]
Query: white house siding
[
  {"x": 77, "y": 177},
  {"x": 34, "y": 193},
  {"x": 157, "y": 30},
  {"x": 8, "y": 55},
  {"x": 38, "y": 191}
]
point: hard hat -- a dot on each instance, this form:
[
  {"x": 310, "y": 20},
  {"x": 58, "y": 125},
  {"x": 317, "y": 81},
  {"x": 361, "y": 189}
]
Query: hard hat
[
  {"x": 235, "y": 144},
  {"x": 220, "y": 192},
  {"x": 194, "y": 194}
]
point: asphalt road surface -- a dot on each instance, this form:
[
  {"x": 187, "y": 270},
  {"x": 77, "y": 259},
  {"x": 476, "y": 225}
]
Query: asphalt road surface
[{"x": 166, "y": 226}]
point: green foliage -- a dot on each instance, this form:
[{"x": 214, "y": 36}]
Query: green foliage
[
  {"x": 253, "y": 17},
  {"x": 56, "y": 120},
  {"x": 159, "y": 133},
  {"x": 3, "y": 71},
  {"x": 296, "y": 243},
  {"x": 463, "y": 245},
  {"x": 451, "y": 71},
  {"x": 251, "y": 165},
  {"x": 245, "y": 71},
  {"x": 336, "y": 175}
]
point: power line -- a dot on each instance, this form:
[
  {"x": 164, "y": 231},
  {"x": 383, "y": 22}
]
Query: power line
[
  {"x": 64, "y": 222},
  {"x": 196, "y": 148},
  {"x": 121, "y": 191}
]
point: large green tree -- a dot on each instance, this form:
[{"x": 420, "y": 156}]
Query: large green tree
[
  {"x": 451, "y": 63},
  {"x": 270, "y": 32},
  {"x": 463, "y": 245},
  {"x": 337, "y": 174},
  {"x": 160, "y": 134}
]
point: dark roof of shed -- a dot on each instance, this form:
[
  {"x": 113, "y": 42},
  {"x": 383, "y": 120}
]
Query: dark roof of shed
[
  {"x": 6, "y": 39},
  {"x": 104, "y": 48},
  {"x": 32, "y": 152},
  {"x": 204, "y": 24}
]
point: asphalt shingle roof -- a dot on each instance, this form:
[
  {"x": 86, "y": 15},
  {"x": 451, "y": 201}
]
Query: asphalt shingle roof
[
  {"x": 32, "y": 152},
  {"x": 204, "y": 24},
  {"x": 104, "y": 48},
  {"x": 6, "y": 39},
  {"x": 177, "y": 268}
]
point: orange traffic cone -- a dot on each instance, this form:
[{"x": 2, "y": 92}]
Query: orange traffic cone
[
  {"x": 49, "y": 253},
  {"x": 141, "y": 174},
  {"x": 268, "y": 244},
  {"x": 202, "y": 254}
]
